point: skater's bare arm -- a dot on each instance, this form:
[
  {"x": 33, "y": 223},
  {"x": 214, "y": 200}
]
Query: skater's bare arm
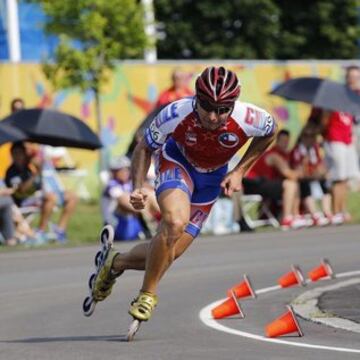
[
  {"x": 256, "y": 148},
  {"x": 232, "y": 181},
  {"x": 140, "y": 164}
]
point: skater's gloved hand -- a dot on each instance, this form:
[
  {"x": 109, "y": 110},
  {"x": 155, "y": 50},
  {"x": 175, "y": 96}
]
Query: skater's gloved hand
[{"x": 138, "y": 199}]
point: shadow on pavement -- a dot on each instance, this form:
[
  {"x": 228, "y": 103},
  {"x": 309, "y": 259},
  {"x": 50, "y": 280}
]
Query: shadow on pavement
[{"x": 34, "y": 340}]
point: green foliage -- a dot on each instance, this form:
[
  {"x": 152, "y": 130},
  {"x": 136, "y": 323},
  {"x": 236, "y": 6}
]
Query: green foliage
[
  {"x": 319, "y": 29},
  {"x": 107, "y": 30},
  {"x": 212, "y": 29},
  {"x": 258, "y": 29}
]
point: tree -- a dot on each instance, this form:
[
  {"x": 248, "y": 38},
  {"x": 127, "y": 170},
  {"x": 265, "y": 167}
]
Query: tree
[
  {"x": 206, "y": 29},
  {"x": 258, "y": 29},
  {"x": 320, "y": 29},
  {"x": 93, "y": 35}
]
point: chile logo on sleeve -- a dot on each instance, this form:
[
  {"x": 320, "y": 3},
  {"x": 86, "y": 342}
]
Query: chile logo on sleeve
[{"x": 228, "y": 140}]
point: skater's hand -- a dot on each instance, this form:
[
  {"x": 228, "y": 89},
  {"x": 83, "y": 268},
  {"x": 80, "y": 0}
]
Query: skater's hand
[
  {"x": 138, "y": 199},
  {"x": 232, "y": 183}
]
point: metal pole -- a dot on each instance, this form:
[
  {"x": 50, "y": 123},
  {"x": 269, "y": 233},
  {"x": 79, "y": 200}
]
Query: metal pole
[
  {"x": 13, "y": 30},
  {"x": 150, "y": 53}
]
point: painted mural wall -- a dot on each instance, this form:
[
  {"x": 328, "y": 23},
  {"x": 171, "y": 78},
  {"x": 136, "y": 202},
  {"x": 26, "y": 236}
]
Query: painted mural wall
[{"x": 132, "y": 92}]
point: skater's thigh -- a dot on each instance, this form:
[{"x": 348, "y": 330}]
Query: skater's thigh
[
  {"x": 174, "y": 205},
  {"x": 174, "y": 188}
]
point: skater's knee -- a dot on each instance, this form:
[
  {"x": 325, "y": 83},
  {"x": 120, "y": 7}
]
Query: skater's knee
[{"x": 174, "y": 227}]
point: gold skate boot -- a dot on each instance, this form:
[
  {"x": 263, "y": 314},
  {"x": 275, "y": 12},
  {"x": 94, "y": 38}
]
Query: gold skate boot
[{"x": 142, "y": 307}]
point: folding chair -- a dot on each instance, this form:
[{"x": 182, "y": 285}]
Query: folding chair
[{"x": 255, "y": 203}]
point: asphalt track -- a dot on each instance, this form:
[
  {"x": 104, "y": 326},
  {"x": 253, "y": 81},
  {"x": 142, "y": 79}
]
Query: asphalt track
[{"x": 41, "y": 292}]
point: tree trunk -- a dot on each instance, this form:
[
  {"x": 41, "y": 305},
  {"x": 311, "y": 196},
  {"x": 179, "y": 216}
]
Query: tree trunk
[{"x": 99, "y": 129}]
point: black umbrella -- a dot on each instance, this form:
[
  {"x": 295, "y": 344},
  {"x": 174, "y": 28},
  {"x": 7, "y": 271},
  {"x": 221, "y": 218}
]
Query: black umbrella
[
  {"x": 325, "y": 94},
  {"x": 10, "y": 134},
  {"x": 54, "y": 128}
]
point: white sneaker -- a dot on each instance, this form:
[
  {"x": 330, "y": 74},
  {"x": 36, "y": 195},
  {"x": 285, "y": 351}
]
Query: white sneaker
[
  {"x": 337, "y": 219},
  {"x": 320, "y": 220}
]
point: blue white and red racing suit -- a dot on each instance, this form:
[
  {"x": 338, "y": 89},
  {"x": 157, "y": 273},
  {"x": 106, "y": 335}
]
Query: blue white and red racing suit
[{"x": 194, "y": 159}]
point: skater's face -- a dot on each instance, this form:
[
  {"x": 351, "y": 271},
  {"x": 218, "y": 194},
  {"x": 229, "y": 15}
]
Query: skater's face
[{"x": 212, "y": 118}]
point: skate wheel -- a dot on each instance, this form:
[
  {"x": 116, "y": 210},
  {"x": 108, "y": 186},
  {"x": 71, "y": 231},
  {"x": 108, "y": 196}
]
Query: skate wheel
[
  {"x": 133, "y": 329},
  {"x": 107, "y": 235},
  {"x": 98, "y": 259},
  {"x": 91, "y": 281},
  {"x": 88, "y": 306}
]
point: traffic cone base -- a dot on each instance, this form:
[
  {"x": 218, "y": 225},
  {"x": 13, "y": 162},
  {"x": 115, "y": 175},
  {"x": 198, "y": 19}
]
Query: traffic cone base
[
  {"x": 324, "y": 270},
  {"x": 228, "y": 308},
  {"x": 243, "y": 289},
  {"x": 285, "y": 324},
  {"x": 294, "y": 277}
]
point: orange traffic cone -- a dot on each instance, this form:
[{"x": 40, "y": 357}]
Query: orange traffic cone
[
  {"x": 294, "y": 277},
  {"x": 228, "y": 308},
  {"x": 243, "y": 289},
  {"x": 321, "y": 271},
  {"x": 285, "y": 324}
]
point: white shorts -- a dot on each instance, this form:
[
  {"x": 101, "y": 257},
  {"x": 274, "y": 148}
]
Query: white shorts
[{"x": 342, "y": 161}]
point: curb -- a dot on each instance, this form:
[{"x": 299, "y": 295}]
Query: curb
[{"x": 306, "y": 306}]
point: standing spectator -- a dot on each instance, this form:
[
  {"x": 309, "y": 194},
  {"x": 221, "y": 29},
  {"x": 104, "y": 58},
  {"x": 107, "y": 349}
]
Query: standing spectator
[
  {"x": 341, "y": 156},
  {"x": 177, "y": 90}
]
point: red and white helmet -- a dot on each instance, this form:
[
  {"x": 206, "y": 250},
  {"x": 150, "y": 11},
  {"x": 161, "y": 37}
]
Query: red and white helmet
[{"x": 217, "y": 86}]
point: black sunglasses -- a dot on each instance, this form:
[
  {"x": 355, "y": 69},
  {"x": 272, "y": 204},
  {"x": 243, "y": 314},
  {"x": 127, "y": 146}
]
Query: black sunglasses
[{"x": 220, "y": 110}]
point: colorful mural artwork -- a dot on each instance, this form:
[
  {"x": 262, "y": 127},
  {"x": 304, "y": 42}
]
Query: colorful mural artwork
[{"x": 132, "y": 92}]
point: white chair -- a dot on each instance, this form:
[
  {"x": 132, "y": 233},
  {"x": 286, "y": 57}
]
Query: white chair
[{"x": 255, "y": 204}]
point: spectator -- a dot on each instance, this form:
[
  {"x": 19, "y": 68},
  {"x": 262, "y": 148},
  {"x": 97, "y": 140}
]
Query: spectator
[
  {"x": 23, "y": 232},
  {"x": 274, "y": 180},
  {"x": 17, "y": 104},
  {"x": 25, "y": 174},
  {"x": 129, "y": 223},
  {"x": 177, "y": 90},
  {"x": 341, "y": 156},
  {"x": 306, "y": 158},
  {"x": 7, "y": 227}
]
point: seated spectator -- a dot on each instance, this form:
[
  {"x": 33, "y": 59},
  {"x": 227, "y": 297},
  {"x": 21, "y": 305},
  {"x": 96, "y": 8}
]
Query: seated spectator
[
  {"x": 7, "y": 227},
  {"x": 25, "y": 175},
  {"x": 176, "y": 91},
  {"x": 274, "y": 180},
  {"x": 129, "y": 224},
  {"x": 306, "y": 157}
]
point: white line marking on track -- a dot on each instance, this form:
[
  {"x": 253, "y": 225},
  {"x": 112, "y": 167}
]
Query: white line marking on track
[{"x": 205, "y": 317}]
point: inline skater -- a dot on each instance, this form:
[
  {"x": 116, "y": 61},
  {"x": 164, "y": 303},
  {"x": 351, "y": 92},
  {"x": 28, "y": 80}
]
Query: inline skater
[{"x": 193, "y": 140}]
